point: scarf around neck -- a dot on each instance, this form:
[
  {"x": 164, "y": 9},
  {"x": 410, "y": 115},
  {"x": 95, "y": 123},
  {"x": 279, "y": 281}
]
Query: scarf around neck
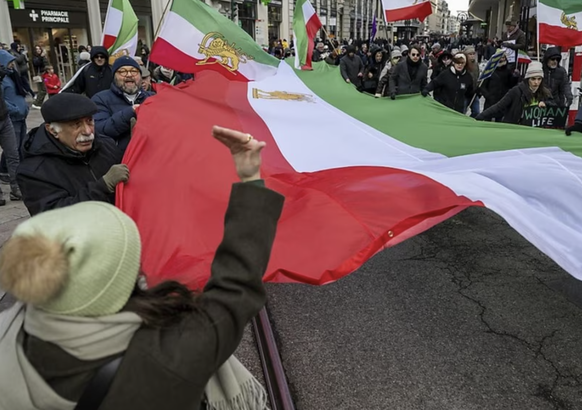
[{"x": 232, "y": 387}]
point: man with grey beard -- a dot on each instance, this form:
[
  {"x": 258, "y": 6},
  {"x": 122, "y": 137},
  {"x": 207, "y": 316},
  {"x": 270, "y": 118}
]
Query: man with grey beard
[
  {"x": 117, "y": 106},
  {"x": 63, "y": 162}
]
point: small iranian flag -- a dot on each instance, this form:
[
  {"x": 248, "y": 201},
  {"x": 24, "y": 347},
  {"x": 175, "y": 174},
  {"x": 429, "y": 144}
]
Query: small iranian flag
[
  {"x": 196, "y": 37},
  {"x": 522, "y": 57},
  {"x": 120, "y": 30},
  {"x": 397, "y": 10},
  {"x": 306, "y": 24},
  {"x": 558, "y": 22}
]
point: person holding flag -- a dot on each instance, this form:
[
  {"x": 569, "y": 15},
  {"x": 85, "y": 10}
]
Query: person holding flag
[
  {"x": 497, "y": 83},
  {"x": 119, "y": 38}
]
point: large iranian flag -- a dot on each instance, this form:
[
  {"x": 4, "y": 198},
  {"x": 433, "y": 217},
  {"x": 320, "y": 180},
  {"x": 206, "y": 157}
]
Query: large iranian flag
[
  {"x": 397, "y": 10},
  {"x": 306, "y": 24},
  {"x": 359, "y": 174},
  {"x": 560, "y": 22},
  {"x": 195, "y": 37},
  {"x": 120, "y": 29}
]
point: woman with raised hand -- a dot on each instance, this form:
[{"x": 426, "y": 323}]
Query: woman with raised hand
[{"x": 80, "y": 311}]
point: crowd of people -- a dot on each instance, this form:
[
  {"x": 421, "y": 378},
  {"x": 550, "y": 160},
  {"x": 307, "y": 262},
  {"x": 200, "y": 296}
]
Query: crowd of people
[{"x": 450, "y": 69}]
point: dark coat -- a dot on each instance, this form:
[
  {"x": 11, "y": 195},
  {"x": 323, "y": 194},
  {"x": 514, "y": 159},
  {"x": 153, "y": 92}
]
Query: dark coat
[
  {"x": 92, "y": 78},
  {"x": 3, "y": 107},
  {"x": 556, "y": 79},
  {"x": 401, "y": 83},
  {"x": 168, "y": 368},
  {"x": 518, "y": 36},
  {"x": 495, "y": 87},
  {"x": 512, "y": 105},
  {"x": 115, "y": 113},
  {"x": 350, "y": 67},
  {"x": 52, "y": 176},
  {"x": 453, "y": 88}
]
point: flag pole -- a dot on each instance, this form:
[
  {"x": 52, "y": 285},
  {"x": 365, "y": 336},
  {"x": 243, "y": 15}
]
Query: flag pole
[
  {"x": 327, "y": 35},
  {"x": 159, "y": 27},
  {"x": 162, "y": 19},
  {"x": 538, "y": 31}
]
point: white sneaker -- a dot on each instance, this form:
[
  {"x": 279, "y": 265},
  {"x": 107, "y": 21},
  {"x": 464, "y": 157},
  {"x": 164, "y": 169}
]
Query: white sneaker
[{"x": 35, "y": 106}]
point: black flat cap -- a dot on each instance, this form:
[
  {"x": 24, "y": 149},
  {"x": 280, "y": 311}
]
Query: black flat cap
[{"x": 65, "y": 107}]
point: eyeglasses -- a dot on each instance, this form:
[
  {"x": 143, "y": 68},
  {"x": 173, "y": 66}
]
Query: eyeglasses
[
  {"x": 125, "y": 71},
  {"x": 414, "y": 55},
  {"x": 99, "y": 57}
]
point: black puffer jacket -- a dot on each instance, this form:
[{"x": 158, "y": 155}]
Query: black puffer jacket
[
  {"x": 512, "y": 105},
  {"x": 495, "y": 87},
  {"x": 401, "y": 81},
  {"x": 53, "y": 176},
  {"x": 556, "y": 79},
  {"x": 453, "y": 88},
  {"x": 93, "y": 78}
]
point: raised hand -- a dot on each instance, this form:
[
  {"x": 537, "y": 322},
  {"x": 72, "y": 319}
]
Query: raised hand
[{"x": 245, "y": 150}]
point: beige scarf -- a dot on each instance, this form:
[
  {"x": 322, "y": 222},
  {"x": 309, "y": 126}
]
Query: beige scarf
[{"x": 232, "y": 387}]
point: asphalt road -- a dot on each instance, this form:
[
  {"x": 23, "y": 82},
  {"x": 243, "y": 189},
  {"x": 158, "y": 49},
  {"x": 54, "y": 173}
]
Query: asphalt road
[{"x": 465, "y": 316}]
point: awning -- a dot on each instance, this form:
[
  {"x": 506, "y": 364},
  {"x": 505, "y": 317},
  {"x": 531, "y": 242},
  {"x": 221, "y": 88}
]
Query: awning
[{"x": 479, "y": 8}]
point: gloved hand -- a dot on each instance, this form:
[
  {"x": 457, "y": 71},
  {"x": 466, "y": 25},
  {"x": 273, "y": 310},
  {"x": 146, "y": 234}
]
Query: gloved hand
[
  {"x": 393, "y": 96},
  {"x": 424, "y": 93},
  {"x": 116, "y": 174}
]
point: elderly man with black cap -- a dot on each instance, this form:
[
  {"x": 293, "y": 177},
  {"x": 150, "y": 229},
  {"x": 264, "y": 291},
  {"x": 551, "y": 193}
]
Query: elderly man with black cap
[
  {"x": 117, "y": 106},
  {"x": 63, "y": 162}
]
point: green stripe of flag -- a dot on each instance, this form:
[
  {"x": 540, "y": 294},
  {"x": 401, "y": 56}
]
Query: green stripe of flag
[
  {"x": 299, "y": 29},
  {"x": 424, "y": 123},
  {"x": 129, "y": 23},
  {"x": 569, "y": 6},
  {"x": 206, "y": 19}
]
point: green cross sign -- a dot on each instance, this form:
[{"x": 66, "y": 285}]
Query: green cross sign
[{"x": 18, "y": 4}]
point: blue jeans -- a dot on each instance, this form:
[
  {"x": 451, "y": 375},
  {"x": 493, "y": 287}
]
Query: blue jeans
[
  {"x": 20, "y": 134},
  {"x": 475, "y": 107}
]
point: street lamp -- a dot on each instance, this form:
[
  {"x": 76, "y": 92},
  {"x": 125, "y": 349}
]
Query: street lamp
[{"x": 462, "y": 16}]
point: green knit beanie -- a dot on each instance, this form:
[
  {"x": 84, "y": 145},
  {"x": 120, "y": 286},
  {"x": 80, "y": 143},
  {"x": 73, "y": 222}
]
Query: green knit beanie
[{"x": 82, "y": 260}]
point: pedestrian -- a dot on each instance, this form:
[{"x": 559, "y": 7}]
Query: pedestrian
[
  {"x": 556, "y": 78},
  {"x": 453, "y": 86},
  {"x": 64, "y": 162},
  {"x": 352, "y": 67},
  {"x": 93, "y": 77},
  {"x": 410, "y": 75},
  {"x": 498, "y": 85},
  {"x": 530, "y": 92},
  {"x": 7, "y": 136},
  {"x": 117, "y": 106},
  {"x": 39, "y": 62},
  {"x": 21, "y": 66},
  {"x": 383, "y": 86},
  {"x": 52, "y": 82},
  {"x": 83, "y": 304}
]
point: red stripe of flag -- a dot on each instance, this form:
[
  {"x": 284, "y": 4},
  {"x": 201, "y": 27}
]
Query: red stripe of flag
[
  {"x": 333, "y": 220},
  {"x": 312, "y": 27},
  {"x": 418, "y": 11}
]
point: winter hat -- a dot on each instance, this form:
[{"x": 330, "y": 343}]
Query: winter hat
[
  {"x": 81, "y": 260},
  {"x": 396, "y": 53},
  {"x": 396, "y": 48},
  {"x": 534, "y": 69},
  {"x": 85, "y": 56},
  {"x": 404, "y": 48},
  {"x": 469, "y": 49},
  {"x": 124, "y": 61}
]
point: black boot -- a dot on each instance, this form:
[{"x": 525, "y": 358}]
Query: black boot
[{"x": 576, "y": 127}]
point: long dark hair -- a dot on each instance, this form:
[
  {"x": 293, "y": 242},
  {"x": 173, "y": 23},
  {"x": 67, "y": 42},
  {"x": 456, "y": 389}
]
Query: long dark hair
[
  {"x": 541, "y": 94},
  {"x": 163, "y": 305}
]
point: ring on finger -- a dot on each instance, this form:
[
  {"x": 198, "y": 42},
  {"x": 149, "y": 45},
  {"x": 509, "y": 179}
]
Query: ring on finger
[{"x": 249, "y": 138}]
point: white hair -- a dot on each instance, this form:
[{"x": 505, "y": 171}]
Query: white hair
[{"x": 55, "y": 127}]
